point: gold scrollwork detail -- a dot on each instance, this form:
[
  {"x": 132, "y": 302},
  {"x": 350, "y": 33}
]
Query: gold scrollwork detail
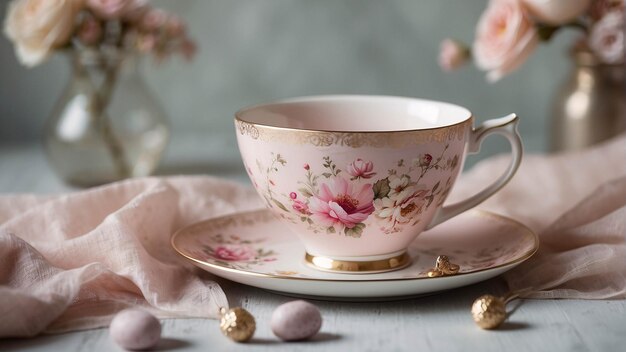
[
  {"x": 354, "y": 139},
  {"x": 223, "y": 223},
  {"x": 249, "y": 129}
]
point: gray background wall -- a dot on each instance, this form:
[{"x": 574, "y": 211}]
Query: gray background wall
[{"x": 257, "y": 50}]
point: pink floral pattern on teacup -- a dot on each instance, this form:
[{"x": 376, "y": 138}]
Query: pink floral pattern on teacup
[
  {"x": 402, "y": 202},
  {"x": 333, "y": 201},
  {"x": 343, "y": 204},
  {"x": 360, "y": 169},
  {"x": 330, "y": 202}
]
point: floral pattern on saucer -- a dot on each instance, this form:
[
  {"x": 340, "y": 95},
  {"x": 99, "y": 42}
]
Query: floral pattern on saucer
[
  {"x": 233, "y": 252},
  {"x": 256, "y": 242}
]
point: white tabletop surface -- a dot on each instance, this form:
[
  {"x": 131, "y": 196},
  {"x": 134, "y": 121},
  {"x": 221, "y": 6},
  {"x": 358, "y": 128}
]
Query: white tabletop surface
[{"x": 440, "y": 322}]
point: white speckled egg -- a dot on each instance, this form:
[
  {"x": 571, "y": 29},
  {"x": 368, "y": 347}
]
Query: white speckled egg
[
  {"x": 296, "y": 320},
  {"x": 135, "y": 329}
]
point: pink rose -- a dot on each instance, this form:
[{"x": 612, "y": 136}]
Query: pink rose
[
  {"x": 452, "y": 55},
  {"x": 306, "y": 167},
  {"x": 607, "y": 38},
  {"x": 505, "y": 37},
  {"x": 360, "y": 169},
  {"x": 116, "y": 9},
  {"x": 231, "y": 252},
  {"x": 338, "y": 203},
  {"x": 37, "y": 27},
  {"x": 556, "y": 12}
]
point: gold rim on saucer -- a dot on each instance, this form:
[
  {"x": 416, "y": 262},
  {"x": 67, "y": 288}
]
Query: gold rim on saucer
[{"x": 347, "y": 266}]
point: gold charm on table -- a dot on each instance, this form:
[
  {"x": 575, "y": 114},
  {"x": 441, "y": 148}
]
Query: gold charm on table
[
  {"x": 489, "y": 311},
  {"x": 443, "y": 267},
  {"x": 237, "y": 324}
]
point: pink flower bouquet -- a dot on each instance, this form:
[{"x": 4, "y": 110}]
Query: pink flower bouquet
[
  {"x": 509, "y": 31},
  {"x": 39, "y": 27}
]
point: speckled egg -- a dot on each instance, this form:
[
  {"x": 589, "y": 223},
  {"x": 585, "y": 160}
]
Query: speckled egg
[
  {"x": 135, "y": 329},
  {"x": 296, "y": 320}
]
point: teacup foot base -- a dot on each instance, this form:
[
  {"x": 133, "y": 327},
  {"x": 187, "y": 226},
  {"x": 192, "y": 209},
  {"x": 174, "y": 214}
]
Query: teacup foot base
[{"x": 327, "y": 264}]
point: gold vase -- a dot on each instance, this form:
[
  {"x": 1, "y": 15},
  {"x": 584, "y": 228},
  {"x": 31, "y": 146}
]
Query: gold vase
[{"x": 590, "y": 107}]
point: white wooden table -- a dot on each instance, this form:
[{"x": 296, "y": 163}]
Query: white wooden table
[{"x": 440, "y": 322}]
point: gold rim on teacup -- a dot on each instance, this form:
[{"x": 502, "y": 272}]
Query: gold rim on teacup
[{"x": 352, "y": 138}]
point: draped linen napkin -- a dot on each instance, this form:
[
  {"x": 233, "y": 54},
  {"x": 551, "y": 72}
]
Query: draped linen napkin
[
  {"x": 70, "y": 262},
  {"x": 576, "y": 203}
]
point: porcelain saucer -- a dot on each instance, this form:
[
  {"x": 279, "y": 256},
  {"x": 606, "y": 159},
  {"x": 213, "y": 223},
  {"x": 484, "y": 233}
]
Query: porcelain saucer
[{"x": 255, "y": 249}]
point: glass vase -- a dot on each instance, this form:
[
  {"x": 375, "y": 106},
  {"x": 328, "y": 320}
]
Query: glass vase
[
  {"x": 590, "y": 106},
  {"x": 106, "y": 125}
]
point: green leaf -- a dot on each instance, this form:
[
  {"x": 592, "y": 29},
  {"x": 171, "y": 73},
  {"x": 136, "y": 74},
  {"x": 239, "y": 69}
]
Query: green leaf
[
  {"x": 381, "y": 188},
  {"x": 303, "y": 218},
  {"x": 267, "y": 200},
  {"x": 327, "y": 174},
  {"x": 330, "y": 229},
  {"x": 436, "y": 186},
  {"x": 356, "y": 231},
  {"x": 430, "y": 200},
  {"x": 309, "y": 221},
  {"x": 305, "y": 192},
  {"x": 280, "y": 205}
]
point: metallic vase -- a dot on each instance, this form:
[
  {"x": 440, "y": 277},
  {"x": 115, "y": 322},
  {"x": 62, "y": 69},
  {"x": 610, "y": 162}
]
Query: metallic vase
[{"x": 590, "y": 107}]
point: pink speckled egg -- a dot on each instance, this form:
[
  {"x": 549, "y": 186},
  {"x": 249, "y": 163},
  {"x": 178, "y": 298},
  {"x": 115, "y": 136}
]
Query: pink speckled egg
[
  {"x": 296, "y": 320},
  {"x": 135, "y": 329}
]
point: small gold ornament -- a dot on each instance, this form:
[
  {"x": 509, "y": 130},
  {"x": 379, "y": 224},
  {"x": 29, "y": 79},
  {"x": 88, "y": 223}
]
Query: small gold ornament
[
  {"x": 237, "y": 324},
  {"x": 488, "y": 311},
  {"x": 443, "y": 267}
]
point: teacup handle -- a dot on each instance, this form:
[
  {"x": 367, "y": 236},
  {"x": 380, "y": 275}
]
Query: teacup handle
[{"x": 506, "y": 126}]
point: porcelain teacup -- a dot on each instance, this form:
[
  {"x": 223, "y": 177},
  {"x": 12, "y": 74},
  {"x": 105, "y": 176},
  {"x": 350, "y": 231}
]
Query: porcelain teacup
[{"x": 358, "y": 178}]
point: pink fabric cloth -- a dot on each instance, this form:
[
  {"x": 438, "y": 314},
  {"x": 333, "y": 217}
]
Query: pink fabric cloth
[
  {"x": 576, "y": 203},
  {"x": 70, "y": 262}
]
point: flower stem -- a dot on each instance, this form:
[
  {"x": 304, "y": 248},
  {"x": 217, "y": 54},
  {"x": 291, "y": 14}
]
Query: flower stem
[{"x": 101, "y": 101}]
